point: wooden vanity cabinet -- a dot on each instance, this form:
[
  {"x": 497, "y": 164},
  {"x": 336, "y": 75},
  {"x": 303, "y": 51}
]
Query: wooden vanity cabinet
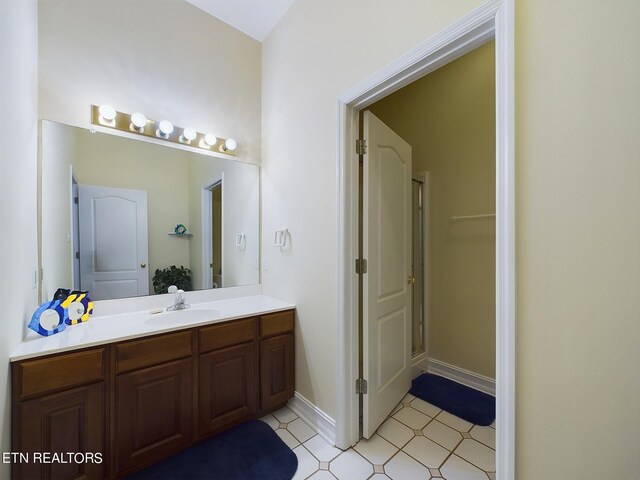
[
  {"x": 277, "y": 369},
  {"x": 59, "y": 407},
  {"x": 153, "y": 415},
  {"x": 139, "y": 401}
]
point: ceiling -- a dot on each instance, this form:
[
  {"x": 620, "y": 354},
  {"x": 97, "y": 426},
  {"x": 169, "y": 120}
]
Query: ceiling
[{"x": 256, "y": 18}]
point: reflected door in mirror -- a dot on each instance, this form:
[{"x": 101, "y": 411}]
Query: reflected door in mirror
[{"x": 113, "y": 242}]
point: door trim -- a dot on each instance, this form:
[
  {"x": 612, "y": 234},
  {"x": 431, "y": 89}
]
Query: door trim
[
  {"x": 206, "y": 222},
  {"x": 495, "y": 19},
  {"x": 426, "y": 261}
]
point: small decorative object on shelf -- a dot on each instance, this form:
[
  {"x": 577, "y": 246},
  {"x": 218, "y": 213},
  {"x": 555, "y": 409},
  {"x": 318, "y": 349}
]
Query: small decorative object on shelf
[{"x": 180, "y": 229}]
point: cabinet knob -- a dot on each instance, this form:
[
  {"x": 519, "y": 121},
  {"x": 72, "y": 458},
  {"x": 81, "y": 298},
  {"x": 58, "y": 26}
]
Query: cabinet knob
[{"x": 143, "y": 265}]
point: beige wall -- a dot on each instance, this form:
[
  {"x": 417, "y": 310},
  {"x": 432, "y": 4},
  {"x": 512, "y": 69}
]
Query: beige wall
[
  {"x": 314, "y": 54},
  {"x": 162, "y": 172},
  {"x": 165, "y": 58},
  {"x": 18, "y": 187},
  {"x": 578, "y": 239},
  {"x": 58, "y": 153},
  {"x": 448, "y": 117},
  {"x": 240, "y": 214},
  {"x": 578, "y": 226}
]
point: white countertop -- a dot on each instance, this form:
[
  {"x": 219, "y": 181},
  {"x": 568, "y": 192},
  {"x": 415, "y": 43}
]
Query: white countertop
[{"x": 125, "y": 326}]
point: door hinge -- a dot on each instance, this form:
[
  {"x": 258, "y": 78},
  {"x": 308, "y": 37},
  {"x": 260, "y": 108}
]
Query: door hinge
[
  {"x": 78, "y": 255},
  {"x": 361, "y": 147},
  {"x": 361, "y": 386},
  {"x": 361, "y": 265},
  {"x": 75, "y": 200}
]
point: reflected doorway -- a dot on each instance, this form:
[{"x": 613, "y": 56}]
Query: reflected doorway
[{"x": 216, "y": 235}]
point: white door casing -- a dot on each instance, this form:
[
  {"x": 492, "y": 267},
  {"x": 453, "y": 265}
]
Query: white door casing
[
  {"x": 386, "y": 292},
  {"x": 113, "y": 242},
  {"x": 494, "y": 19}
]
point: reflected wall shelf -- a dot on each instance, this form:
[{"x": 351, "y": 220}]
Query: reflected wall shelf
[{"x": 188, "y": 235}]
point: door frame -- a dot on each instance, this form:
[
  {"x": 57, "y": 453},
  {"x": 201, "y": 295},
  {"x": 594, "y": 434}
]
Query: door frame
[
  {"x": 494, "y": 19},
  {"x": 426, "y": 262},
  {"x": 206, "y": 208}
]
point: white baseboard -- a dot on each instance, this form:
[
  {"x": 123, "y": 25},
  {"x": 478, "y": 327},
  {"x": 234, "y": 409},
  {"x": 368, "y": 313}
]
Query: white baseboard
[
  {"x": 316, "y": 418},
  {"x": 465, "y": 377}
]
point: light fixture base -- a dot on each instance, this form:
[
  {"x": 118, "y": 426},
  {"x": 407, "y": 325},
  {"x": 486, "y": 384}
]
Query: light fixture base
[{"x": 122, "y": 122}]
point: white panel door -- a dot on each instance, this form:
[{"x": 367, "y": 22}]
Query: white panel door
[
  {"x": 113, "y": 242},
  {"x": 386, "y": 292}
]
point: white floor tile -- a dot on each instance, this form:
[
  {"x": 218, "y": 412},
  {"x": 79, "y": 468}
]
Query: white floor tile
[
  {"x": 426, "y": 452},
  {"x": 395, "y": 432},
  {"x": 425, "y": 407},
  {"x": 486, "y": 435},
  {"x": 454, "y": 422},
  {"x": 442, "y": 434},
  {"x": 412, "y": 418},
  {"x": 291, "y": 441},
  {"x": 398, "y": 407},
  {"x": 351, "y": 466},
  {"x": 271, "y": 421},
  {"x": 322, "y": 475},
  {"x": 478, "y": 454},
  {"x": 376, "y": 449},
  {"x": 321, "y": 449},
  {"x": 301, "y": 430},
  {"x": 403, "y": 467},
  {"x": 307, "y": 463},
  {"x": 408, "y": 398},
  {"x": 285, "y": 415},
  {"x": 456, "y": 468}
]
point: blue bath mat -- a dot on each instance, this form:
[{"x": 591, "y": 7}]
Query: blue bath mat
[
  {"x": 251, "y": 451},
  {"x": 459, "y": 400}
]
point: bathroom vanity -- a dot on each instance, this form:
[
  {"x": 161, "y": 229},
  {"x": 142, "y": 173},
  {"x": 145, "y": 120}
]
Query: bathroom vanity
[{"x": 151, "y": 390}]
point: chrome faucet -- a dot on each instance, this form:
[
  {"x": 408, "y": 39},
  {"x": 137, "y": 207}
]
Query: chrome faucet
[{"x": 180, "y": 302}]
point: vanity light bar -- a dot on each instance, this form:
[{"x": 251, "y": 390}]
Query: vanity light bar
[{"x": 107, "y": 116}]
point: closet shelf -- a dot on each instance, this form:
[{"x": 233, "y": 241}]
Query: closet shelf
[{"x": 472, "y": 217}]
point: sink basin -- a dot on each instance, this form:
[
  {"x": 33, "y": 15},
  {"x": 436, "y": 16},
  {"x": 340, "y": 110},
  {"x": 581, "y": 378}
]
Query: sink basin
[{"x": 179, "y": 317}]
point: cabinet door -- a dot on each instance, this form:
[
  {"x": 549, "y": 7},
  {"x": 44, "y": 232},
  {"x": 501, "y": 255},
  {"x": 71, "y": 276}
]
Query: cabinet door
[
  {"x": 276, "y": 371},
  {"x": 154, "y": 413},
  {"x": 66, "y": 422},
  {"x": 228, "y": 390}
]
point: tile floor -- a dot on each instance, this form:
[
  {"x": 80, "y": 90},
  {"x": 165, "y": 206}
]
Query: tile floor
[{"x": 417, "y": 441}]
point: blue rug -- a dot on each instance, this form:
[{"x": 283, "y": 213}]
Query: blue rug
[
  {"x": 250, "y": 451},
  {"x": 459, "y": 400}
]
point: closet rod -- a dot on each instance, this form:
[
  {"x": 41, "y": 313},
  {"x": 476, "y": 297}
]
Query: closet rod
[{"x": 471, "y": 217}]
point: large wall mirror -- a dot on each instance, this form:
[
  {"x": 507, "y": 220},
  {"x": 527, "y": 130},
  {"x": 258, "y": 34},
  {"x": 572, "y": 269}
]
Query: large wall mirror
[{"x": 111, "y": 205}]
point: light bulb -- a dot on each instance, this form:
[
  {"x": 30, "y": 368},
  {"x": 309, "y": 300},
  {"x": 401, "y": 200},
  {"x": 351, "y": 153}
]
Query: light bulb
[
  {"x": 230, "y": 144},
  {"x": 138, "y": 121},
  {"x": 188, "y": 134},
  {"x": 165, "y": 128},
  {"x": 107, "y": 112},
  {"x": 210, "y": 139}
]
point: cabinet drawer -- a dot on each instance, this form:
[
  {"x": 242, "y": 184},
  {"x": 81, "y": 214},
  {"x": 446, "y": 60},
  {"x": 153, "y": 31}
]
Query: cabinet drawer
[
  {"x": 276, "y": 323},
  {"x": 146, "y": 352},
  {"x": 68, "y": 370},
  {"x": 227, "y": 334}
]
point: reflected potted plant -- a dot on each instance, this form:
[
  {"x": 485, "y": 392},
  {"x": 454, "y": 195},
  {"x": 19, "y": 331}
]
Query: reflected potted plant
[{"x": 178, "y": 276}]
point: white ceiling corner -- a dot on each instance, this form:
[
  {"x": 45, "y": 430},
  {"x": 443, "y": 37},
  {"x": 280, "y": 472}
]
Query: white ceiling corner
[{"x": 256, "y": 18}]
